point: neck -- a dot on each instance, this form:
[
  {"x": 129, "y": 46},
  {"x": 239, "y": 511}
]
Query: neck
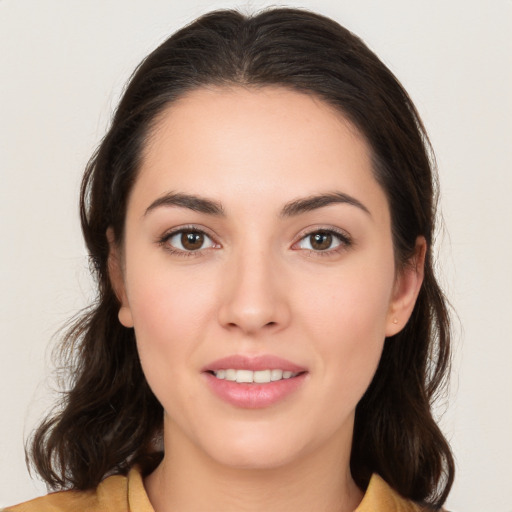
[{"x": 189, "y": 480}]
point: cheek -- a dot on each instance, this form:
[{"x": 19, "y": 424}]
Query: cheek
[
  {"x": 351, "y": 304},
  {"x": 169, "y": 311},
  {"x": 347, "y": 318},
  {"x": 163, "y": 298}
]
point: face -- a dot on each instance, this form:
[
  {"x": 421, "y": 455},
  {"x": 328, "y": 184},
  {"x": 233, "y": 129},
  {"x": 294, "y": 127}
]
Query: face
[{"x": 258, "y": 248}]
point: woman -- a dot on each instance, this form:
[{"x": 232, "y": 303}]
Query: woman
[{"x": 269, "y": 333}]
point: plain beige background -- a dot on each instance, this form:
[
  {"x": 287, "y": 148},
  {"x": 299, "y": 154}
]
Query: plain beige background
[{"x": 62, "y": 67}]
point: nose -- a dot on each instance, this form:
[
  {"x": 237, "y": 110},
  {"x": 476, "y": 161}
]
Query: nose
[{"x": 254, "y": 299}]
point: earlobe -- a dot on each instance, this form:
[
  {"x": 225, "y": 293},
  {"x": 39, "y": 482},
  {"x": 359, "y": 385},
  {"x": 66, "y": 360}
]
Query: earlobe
[
  {"x": 125, "y": 316},
  {"x": 407, "y": 287},
  {"x": 117, "y": 280}
]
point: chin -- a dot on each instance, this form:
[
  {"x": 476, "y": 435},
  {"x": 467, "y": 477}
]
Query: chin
[{"x": 256, "y": 450}]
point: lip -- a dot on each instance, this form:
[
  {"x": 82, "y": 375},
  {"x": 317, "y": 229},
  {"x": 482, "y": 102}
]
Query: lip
[
  {"x": 254, "y": 363},
  {"x": 254, "y": 395}
]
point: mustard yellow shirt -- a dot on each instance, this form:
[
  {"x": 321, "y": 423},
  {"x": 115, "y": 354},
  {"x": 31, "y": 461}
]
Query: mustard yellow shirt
[{"x": 127, "y": 494}]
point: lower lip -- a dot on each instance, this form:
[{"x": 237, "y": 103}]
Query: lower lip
[{"x": 254, "y": 396}]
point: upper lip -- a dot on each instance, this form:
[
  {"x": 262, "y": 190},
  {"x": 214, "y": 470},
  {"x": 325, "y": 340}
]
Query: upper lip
[{"x": 254, "y": 363}]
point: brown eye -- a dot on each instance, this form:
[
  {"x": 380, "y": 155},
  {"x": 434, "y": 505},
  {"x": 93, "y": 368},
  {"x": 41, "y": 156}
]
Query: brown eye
[
  {"x": 192, "y": 240},
  {"x": 324, "y": 241},
  {"x": 188, "y": 240},
  {"x": 321, "y": 241}
]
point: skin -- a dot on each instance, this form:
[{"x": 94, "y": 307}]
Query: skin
[{"x": 256, "y": 286}]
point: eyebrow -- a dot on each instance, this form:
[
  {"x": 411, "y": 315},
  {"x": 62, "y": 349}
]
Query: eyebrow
[
  {"x": 192, "y": 202},
  {"x": 310, "y": 203},
  {"x": 291, "y": 209}
]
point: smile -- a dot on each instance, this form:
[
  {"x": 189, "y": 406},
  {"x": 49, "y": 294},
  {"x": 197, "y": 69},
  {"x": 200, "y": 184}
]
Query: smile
[
  {"x": 258, "y": 377},
  {"x": 254, "y": 382}
]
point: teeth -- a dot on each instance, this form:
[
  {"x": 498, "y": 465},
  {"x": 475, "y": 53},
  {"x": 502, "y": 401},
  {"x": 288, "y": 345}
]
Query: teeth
[
  {"x": 230, "y": 374},
  {"x": 276, "y": 375},
  {"x": 262, "y": 376},
  {"x": 248, "y": 376},
  {"x": 244, "y": 376}
]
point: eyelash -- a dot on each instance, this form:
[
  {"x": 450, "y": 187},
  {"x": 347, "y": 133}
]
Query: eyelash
[
  {"x": 343, "y": 238},
  {"x": 163, "y": 241},
  {"x": 345, "y": 241}
]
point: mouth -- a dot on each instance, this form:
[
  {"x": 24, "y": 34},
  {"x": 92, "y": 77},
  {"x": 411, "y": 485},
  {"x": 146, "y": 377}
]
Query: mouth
[
  {"x": 254, "y": 382},
  {"x": 253, "y": 376}
]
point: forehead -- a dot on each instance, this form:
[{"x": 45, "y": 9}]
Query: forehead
[
  {"x": 268, "y": 143},
  {"x": 253, "y": 117}
]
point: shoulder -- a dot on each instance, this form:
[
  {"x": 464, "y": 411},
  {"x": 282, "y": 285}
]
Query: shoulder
[
  {"x": 111, "y": 494},
  {"x": 380, "y": 497}
]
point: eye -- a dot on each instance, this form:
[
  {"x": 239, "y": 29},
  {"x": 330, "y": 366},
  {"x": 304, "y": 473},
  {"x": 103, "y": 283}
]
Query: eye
[
  {"x": 187, "y": 240},
  {"x": 323, "y": 241}
]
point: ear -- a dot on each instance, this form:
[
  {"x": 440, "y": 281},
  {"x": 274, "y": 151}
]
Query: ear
[
  {"x": 406, "y": 289},
  {"x": 115, "y": 271}
]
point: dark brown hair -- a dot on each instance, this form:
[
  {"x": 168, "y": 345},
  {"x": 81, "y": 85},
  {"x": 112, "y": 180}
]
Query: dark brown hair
[{"x": 109, "y": 418}]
